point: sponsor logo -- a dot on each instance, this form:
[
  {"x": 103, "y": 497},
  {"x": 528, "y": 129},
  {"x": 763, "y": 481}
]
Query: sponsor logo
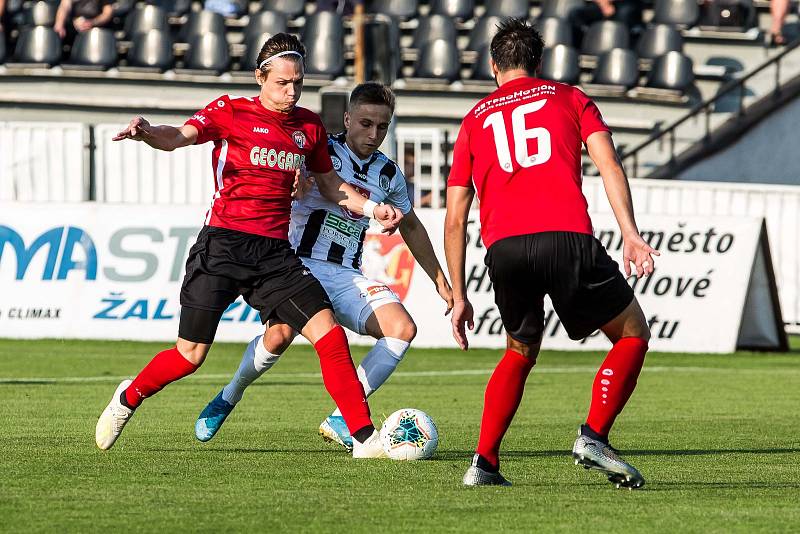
[
  {"x": 199, "y": 118},
  {"x": 64, "y": 249},
  {"x": 259, "y": 129},
  {"x": 269, "y": 157},
  {"x": 337, "y": 163},
  {"x": 299, "y": 139},
  {"x": 387, "y": 260},
  {"x": 374, "y": 290}
]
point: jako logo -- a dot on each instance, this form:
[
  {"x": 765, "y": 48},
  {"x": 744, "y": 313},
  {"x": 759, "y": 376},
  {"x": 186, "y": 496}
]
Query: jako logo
[
  {"x": 257, "y": 129},
  {"x": 63, "y": 240}
]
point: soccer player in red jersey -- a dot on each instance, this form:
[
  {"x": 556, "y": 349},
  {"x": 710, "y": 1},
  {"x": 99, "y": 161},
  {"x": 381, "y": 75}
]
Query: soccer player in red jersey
[
  {"x": 261, "y": 143},
  {"x": 519, "y": 149}
]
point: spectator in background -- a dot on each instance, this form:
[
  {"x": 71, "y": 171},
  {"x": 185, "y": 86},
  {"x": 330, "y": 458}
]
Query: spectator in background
[
  {"x": 778, "y": 9},
  {"x": 342, "y": 7},
  {"x": 627, "y": 11},
  {"x": 2, "y": 14},
  {"x": 226, "y": 8},
  {"x": 77, "y": 16}
]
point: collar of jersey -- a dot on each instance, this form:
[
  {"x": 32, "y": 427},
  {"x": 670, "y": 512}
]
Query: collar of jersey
[
  {"x": 354, "y": 156},
  {"x": 518, "y": 81}
]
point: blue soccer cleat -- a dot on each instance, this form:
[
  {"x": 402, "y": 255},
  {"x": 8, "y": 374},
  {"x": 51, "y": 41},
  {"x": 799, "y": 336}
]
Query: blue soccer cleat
[
  {"x": 333, "y": 428},
  {"x": 212, "y": 417}
]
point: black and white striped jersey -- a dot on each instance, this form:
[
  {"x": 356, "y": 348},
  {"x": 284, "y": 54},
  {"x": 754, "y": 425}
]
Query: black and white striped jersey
[{"x": 322, "y": 229}]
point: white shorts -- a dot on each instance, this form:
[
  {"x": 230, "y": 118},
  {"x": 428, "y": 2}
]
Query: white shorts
[{"x": 354, "y": 296}]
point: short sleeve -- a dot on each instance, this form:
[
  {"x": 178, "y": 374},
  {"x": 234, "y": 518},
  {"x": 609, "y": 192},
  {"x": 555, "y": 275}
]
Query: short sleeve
[
  {"x": 319, "y": 160},
  {"x": 589, "y": 116},
  {"x": 461, "y": 169},
  {"x": 398, "y": 191},
  {"x": 214, "y": 121}
]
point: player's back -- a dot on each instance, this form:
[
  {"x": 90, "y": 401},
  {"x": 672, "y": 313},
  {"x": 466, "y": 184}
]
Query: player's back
[{"x": 521, "y": 146}]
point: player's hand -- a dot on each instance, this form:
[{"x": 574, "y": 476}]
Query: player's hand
[
  {"x": 389, "y": 217},
  {"x": 83, "y": 24},
  {"x": 446, "y": 292},
  {"x": 637, "y": 251},
  {"x": 302, "y": 184},
  {"x": 462, "y": 316},
  {"x": 59, "y": 29},
  {"x": 136, "y": 130}
]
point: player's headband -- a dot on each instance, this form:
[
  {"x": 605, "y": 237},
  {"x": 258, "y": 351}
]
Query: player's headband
[{"x": 279, "y": 54}]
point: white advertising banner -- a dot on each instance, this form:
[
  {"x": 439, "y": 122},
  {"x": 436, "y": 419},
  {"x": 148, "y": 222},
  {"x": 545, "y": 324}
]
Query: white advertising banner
[{"x": 114, "y": 272}]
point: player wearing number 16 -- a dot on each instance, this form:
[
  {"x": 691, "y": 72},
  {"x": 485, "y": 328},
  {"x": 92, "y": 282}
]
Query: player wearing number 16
[{"x": 519, "y": 149}]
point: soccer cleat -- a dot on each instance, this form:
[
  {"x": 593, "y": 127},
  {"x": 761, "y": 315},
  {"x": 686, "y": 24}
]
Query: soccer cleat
[
  {"x": 371, "y": 448},
  {"x": 211, "y": 418},
  {"x": 333, "y": 428},
  {"x": 595, "y": 454},
  {"x": 475, "y": 476},
  {"x": 113, "y": 419}
]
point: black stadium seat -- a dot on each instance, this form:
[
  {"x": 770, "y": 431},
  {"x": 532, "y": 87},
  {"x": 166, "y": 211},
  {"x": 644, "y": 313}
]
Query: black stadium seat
[
  {"x": 323, "y": 38},
  {"x": 208, "y": 51},
  {"x": 40, "y": 14},
  {"x": 555, "y": 31},
  {"x": 382, "y": 44},
  {"x": 658, "y": 40},
  {"x": 481, "y": 70},
  {"x": 2, "y": 47},
  {"x": 619, "y": 66},
  {"x": 559, "y": 8},
  {"x": 252, "y": 47},
  {"x": 201, "y": 23},
  {"x": 434, "y": 27},
  {"x": 173, "y": 8},
  {"x": 508, "y": 8},
  {"x": 560, "y": 64},
  {"x": 681, "y": 12},
  {"x": 438, "y": 60},
  {"x": 673, "y": 71},
  {"x": 459, "y": 9},
  {"x": 96, "y": 48},
  {"x": 153, "y": 50},
  {"x": 145, "y": 18},
  {"x": 403, "y": 9},
  {"x": 265, "y": 22},
  {"x": 291, "y": 8},
  {"x": 605, "y": 35},
  {"x": 481, "y": 35},
  {"x": 40, "y": 45}
]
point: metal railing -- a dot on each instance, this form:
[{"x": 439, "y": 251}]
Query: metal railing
[{"x": 707, "y": 108}]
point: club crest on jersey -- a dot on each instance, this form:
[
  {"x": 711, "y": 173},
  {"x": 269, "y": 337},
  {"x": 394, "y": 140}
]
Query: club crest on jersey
[
  {"x": 384, "y": 181},
  {"x": 337, "y": 163},
  {"x": 299, "y": 139},
  {"x": 387, "y": 260}
]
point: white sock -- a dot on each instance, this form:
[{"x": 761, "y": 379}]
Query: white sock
[
  {"x": 256, "y": 360},
  {"x": 379, "y": 364}
]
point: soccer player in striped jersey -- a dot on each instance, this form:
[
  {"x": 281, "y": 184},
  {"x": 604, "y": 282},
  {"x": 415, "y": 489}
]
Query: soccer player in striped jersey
[
  {"x": 260, "y": 145},
  {"x": 329, "y": 239}
]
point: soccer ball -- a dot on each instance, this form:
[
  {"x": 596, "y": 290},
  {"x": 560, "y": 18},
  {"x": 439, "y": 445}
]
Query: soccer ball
[{"x": 409, "y": 434}]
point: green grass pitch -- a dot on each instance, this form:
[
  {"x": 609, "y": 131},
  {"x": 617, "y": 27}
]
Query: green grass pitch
[{"x": 715, "y": 436}]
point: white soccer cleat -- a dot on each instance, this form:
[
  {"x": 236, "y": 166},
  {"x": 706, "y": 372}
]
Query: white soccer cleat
[
  {"x": 371, "y": 448},
  {"x": 113, "y": 419},
  {"x": 595, "y": 454}
]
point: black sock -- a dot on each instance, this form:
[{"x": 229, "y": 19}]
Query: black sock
[
  {"x": 586, "y": 431},
  {"x": 362, "y": 434},
  {"x": 482, "y": 463},
  {"x": 124, "y": 400}
]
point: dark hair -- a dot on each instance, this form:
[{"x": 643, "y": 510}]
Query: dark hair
[
  {"x": 371, "y": 93},
  {"x": 516, "y": 45},
  {"x": 280, "y": 42}
]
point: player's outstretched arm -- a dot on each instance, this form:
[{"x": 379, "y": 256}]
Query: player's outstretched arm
[
  {"x": 419, "y": 243},
  {"x": 159, "y": 137},
  {"x": 635, "y": 249},
  {"x": 337, "y": 190},
  {"x": 459, "y": 200}
]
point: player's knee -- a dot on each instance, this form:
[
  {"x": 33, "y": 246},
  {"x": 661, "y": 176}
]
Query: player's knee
[
  {"x": 405, "y": 330},
  {"x": 278, "y": 338},
  {"x": 529, "y": 350},
  {"x": 195, "y": 353}
]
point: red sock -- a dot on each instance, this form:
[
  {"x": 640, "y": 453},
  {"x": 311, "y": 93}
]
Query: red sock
[
  {"x": 167, "y": 366},
  {"x": 502, "y": 398},
  {"x": 615, "y": 382},
  {"x": 341, "y": 380}
]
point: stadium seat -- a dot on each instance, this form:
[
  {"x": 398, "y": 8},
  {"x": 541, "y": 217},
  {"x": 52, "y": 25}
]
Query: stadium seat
[
  {"x": 555, "y": 31},
  {"x": 38, "y": 45},
  {"x": 403, "y": 9},
  {"x": 681, "y": 12},
  {"x": 324, "y": 40},
  {"x": 508, "y": 8},
  {"x": 208, "y": 51},
  {"x": 481, "y": 70},
  {"x": 145, "y": 18},
  {"x": 673, "y": 71},
  {"x": 96, "y": 48},
  {"x": 481, "y": 35},
  {"x": 659, "y": 39},
  {"x": 265, "y": 22},
  {"x": 438, "y": 60},
  {"x": 173, "y": 8},
  {"x": 458, "y": 9},
  {"x": 605, "y": 35},
  {"x": 290, "y": 8},
  {"x": 559, "y": 8},
  {"x": 434, "y": 27},
  {"x": 382, "y": 44},
  {"x": 201, "y": 23},
  {"x": 560, "y": 64},
  {"x": 40, "y": 14},
  {"x": 13, "y": 7},
  {"x": 121, "y": 9},
  {"x": 2, "y": 47},
  {"x": 153, "y": 50},
  {"x": 252, "y": 47},
  {"x": 619, "y": 66}
]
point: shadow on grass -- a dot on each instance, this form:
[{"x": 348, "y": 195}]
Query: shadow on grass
[{"x": 459, "y": 455}]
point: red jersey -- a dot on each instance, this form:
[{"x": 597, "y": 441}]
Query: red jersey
[
  {"x": 256, "y": 152},
  {"x": 520, "y": 147}
]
